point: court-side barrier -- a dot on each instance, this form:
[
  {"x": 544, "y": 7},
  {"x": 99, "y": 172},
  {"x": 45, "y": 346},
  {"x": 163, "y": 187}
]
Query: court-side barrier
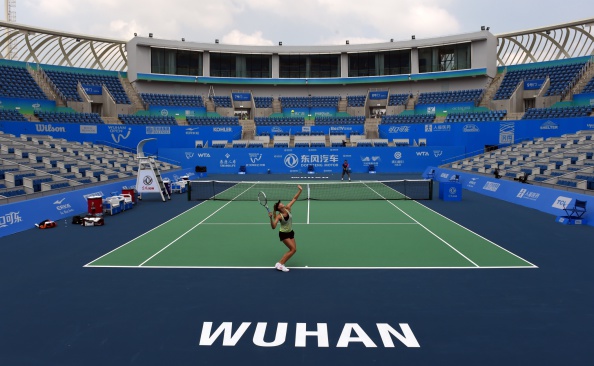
[
  {"x": 20, "y": 216},
  {"x": 323, "y": 160},
  {"x": 549, "y": 200}
]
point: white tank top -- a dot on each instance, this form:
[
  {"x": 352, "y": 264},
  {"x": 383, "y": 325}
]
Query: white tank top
[{"x": 286, "y": 226}]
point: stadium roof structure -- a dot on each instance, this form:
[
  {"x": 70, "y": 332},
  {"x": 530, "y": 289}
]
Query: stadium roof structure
[{"x": 38, "y": 45}]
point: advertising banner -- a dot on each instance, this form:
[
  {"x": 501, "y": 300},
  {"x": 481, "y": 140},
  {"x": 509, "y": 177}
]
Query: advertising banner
[
  {"x": 175, "y": 111},
  {"x": 241, "y": 97},
  {"x": 544, "y": 199},
  {"x": 92, "y": 89},
  {"x": 534, "y": 84},
  {"x": 378, "y": 95},
  {"x": 324, "y": 160},
  {"x": 27, "y": 106}
]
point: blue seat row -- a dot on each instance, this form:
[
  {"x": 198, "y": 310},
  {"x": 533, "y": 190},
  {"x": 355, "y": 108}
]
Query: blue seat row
[
  {"x": 417, "y": 118},
  {"x": 356, "y": 100},
  {"x": 354, "y": 120},
  {"x": 263, "y": 102},
  {"x": 173, "y": 100},
  {"x": 63, "y": 117},
  {"x": 398, "y": 99},
  {"x": 16, "y": 82},
  {"x": 11, "y": 115},
  {"x": 213, "y": 121},
  {"x": 67, "y": 82},
  {"x": 131, "y": 119},
  {"x": 564, "y": 112},
  {"x": 458, "y": 96}
]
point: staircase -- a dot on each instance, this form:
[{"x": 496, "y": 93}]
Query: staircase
[
  {"x": 371, "y": 128},
  {"x": 342, "y": 105},
  {"x": 210, "y": 106},
  {"x": 132, "y": 94},
  {"x": 48, "y": 89},
  {"x": 276, "y": 106},
  {"x": 491, "y": 90},
  {"x": 581, "y": 83},
  {"x": 111, "y": 120},
  {"x": 410, "y": 104},
  {"x": 248, "y": 129}
]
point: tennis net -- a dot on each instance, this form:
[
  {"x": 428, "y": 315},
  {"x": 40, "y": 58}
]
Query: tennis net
[{"x": 325, "y": 191}]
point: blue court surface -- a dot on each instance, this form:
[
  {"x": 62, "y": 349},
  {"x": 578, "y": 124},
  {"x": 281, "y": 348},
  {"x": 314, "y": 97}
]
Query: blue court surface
[{"x": 55, "y": 310}]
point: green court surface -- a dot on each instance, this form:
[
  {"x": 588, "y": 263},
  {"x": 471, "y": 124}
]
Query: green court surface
[{"x": 329, "y": 234}]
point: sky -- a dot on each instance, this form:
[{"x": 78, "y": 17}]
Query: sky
[{"x": 303, "y": 22}]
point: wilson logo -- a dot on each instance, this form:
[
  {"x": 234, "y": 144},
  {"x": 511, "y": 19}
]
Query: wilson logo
[{"x": 49, "y": 128}]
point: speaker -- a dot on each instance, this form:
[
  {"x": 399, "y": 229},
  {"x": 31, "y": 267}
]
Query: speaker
[{"x": 200, "y": 169}]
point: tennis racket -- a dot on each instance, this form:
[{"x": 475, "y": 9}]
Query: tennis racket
[{"x": 263, "y": 200}]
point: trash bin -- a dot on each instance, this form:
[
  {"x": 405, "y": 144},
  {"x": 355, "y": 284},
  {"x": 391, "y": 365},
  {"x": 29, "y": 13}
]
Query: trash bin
[{"x": 95, "y": 205}]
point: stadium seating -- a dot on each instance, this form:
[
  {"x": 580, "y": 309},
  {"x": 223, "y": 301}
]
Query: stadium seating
[
  {"x": 172, "y": 100},
  {"x": 564, "y": 112},
  {"x": 589, "y": 88},
  {"x": 263, "y": 102},
  {"x": 11, "y": 115},
  {"x": 356, "y": 100},
  {"x": 62, "y": 117},
  {"x": 279, "y": 121},
  {"x": 476, "y": 116},
  {"x": 213, "y": 121},
  {"x": 131, "y": 119},
  {"x": 458, "y": 96},
  {"x": 16, "y": 82},
  {"x": 398, "y": 99},
  {"x": 417, "y": 118},
  {"x": 310, "y": 102},
  {"x": 351, "y": 120},
  {"x": 222, "y": 101},
  {"x": 66, "y": 83},
  {"x": 560, "y": 77}
]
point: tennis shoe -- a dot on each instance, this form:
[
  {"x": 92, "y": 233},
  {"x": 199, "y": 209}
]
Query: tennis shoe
[
  {"x": 341, "y": 178},
  {"x": 281, "y": 267}
]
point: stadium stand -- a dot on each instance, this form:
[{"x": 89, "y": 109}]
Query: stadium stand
[
  {"x": 279, "y": 121},
  {"x": 263, "y": 102},
  {"x": 216, "y": 121},
  {"x": 356, "y": 100},
  {"x": 63, "y": 117},
  {"x": 11, "y": 115},
  {"x": 473, "y": 95},
  {"x": 400, "y": 119},
  {"x": 66, "y": 83},
  {"x": 310, "y": 101},
  {"x": 398, "y": 99},
  {"x": 589, "y": 88},
  {"x": 560, "y": 78},
  {"x": 563, "y": 112},
  {"x": 476, "y": 116},
  {"x": 172, "y": 100},
  {"x": 16, "y": 82},
  {"x": 131, "y": 119},
  {"x": 222, "y": 101},
  {"x": 351, "y": 120}
]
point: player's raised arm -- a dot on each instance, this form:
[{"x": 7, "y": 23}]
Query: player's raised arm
[{"x": 290, "y": 204}]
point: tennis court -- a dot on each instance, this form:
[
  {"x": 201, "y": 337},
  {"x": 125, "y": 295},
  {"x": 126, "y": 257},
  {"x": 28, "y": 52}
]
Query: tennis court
[{"x": 358, "y": 225}]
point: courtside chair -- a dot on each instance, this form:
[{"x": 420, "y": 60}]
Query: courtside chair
[{"x": 577, "y": 211}]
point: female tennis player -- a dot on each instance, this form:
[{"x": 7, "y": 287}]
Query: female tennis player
[{"x": 286, "y": 233}]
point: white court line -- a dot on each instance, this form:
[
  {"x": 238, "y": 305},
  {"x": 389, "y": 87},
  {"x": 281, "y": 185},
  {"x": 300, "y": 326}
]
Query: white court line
[
  {"x": 480, "y": 236},
  {"x": 424, "y": 227},
  {"x": 314, "y": 223},
  {"x": 308, "y": 268},
  {"x": 140, "y": 236},
  {"x": 193, "y": 227}
]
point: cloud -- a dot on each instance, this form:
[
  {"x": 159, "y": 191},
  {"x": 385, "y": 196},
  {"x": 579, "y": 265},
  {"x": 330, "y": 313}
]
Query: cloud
[{"x": 237, "y": 38}]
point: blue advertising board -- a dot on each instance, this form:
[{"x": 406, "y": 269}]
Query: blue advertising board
[
  {"x": 323, "y": 112},
  {"x": 378, "y": 95},
  {"x": 127, "y": 135},
  {"x": 296, "y": 112},
  {"x": 27, "y": 106},
  {"x": 20, "y": 216},
  {"x": 338, "y": 129},
  {"x": 324, "y": 160},
  {"x": 534, "y": 84},
  {"x": 241, "y": 97},
  {"x": 444, "y": 108},
  {"x": 544, "y": 199},
  {"x": 583, "y": 99},
  {"x": 92, "y": 89}
]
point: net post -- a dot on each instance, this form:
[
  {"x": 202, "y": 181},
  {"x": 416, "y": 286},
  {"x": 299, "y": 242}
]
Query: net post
[
  {"x": 308, "y": 193},
  {"x": 189, "y": 189},
  {"x": 431, "y": 189}
]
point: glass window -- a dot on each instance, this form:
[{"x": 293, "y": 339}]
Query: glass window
[
  {"x": 176, "y": 62},
  {"x": 445, "y": 58},
  {"x": 293, "y": 66},
  {"x": 363, "y": 64},
  {"x": 396, "y": 62},
  {"x": 324, "y": 66}
]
